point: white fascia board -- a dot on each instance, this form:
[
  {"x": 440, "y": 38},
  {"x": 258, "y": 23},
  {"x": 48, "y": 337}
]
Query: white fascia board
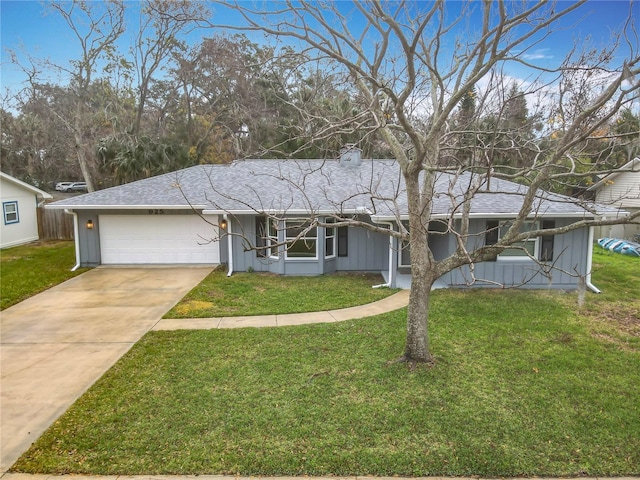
[
  {"x": 289, "y": 212},
  {"x": 125, "y": 207}
]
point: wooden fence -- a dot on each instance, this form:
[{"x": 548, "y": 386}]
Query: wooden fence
[{"x": 54, "y": 224}]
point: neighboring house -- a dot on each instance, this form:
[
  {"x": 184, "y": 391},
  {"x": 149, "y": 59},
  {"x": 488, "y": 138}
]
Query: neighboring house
[
  {"x": 620, "y": 189},
  {"x": 213, "y": 214},
  {"x": 20, "y": 203}
]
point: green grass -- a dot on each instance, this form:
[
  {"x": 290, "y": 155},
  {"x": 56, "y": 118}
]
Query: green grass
[
  {"x": 30, "y": 269},
  {"x": 524, "y": 384},
  {"x": 268, "y": 294}
]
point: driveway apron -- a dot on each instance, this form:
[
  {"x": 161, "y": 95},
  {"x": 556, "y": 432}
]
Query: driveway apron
[{"x": 55, "y": 345}]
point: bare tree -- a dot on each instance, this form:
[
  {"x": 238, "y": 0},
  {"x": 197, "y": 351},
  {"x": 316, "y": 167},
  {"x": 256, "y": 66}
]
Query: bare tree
[
  {"x": 96, "y": 28},
  {"x": 162, "y": 23},
  {"x": 412, "y": 68}
]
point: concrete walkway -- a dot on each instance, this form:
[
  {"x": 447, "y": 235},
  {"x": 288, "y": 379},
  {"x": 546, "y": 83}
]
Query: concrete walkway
[
  {"x": 55, "y": 345},
  {"x": 393, "y": 302}
]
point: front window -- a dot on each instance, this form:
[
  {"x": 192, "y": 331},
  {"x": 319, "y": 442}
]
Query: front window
[
  {"x": 330, "y": 239},
  {"x": 266, "y": 237},
  {"x": 302, "y": 240},
  {"x": 10, "y": 210},
  {"x": 518, "y": 250}
]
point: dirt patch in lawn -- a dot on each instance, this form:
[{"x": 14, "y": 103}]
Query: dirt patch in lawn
[{"x": 625, "y": 318}]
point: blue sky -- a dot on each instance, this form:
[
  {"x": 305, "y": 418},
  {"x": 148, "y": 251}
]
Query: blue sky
[{"x": 24, "y": 26}]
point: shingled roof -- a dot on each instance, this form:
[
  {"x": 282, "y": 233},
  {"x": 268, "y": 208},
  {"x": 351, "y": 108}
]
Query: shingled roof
[{"x": 304, "y": 186}]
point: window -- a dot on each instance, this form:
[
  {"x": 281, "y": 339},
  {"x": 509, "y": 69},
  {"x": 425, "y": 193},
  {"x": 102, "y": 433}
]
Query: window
[
  {"x": 10, "y": 210},
  {"x": 302, "y": 241},
  {"x": 546, "y": 242},
  {"x": 266, "y": 237},
  {"x": 496, "y": 230},
  {"x": 261, "y": 236},
  {"x": 491, "y": 235},
  {"x": 343, "y": 241},
  {"x": 330, "y": 239}
]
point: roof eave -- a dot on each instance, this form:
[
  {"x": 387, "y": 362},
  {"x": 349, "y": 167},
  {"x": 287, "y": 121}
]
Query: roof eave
[
  {"x": 67, "y": 206},
  {"x": 583, "y": 214},
  {"x": 25, "y": 185}
]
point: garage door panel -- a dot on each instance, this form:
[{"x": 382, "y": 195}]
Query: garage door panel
[{"x": 158, "y": 239}]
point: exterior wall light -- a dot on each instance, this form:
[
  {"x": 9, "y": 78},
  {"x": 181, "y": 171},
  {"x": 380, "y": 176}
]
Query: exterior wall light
[
  {"x": 223, "y": 224},
  {"x": 89, "y": 225}
]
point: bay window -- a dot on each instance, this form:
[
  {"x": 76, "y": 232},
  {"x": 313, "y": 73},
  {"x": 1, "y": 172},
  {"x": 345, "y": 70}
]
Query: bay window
[{"x": 302, "y": 241}]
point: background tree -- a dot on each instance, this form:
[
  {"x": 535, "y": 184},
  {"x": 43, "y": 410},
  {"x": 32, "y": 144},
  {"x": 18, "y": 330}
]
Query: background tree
[
  {"x": 96, "y": 27},
  {"x": 412, "y": 75}
]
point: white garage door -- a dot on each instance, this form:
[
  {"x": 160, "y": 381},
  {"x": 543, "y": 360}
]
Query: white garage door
[{"x": 158, "y": 239}]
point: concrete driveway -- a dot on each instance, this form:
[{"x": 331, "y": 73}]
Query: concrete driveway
[{"x": 55, "y": 345}]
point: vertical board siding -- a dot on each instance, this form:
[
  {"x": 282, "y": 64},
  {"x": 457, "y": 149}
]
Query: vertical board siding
[
  {"x": 367, "y": 251},
  {"x": 568, "y": 264}
]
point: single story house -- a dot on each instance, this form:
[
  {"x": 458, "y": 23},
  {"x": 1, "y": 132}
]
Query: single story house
[
  {"x": 620, "y": 190},
  {"x": 20, "y": 203},
  {"x": 249, "y": 214}
]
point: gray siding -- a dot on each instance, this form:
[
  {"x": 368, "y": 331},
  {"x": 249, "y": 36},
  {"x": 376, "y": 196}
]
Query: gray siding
[
  {"x": 569, "y": 261},
  {"x": 89, "y": 240},
  {"x": 367, "y": 251}
]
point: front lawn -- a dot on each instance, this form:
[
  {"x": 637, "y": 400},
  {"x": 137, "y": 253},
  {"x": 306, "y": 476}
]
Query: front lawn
[
  {"x": 268, "y": 294},
  {"x": 525, "y": 384},
  {"x": 30, "y": 269}
]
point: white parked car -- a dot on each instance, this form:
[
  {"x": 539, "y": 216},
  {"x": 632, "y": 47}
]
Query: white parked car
[{"x": 62, "y": 186}]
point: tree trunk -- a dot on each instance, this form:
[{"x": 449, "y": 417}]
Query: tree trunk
[
  {"x": 422, "y": 273},
  {"x": 82, "y": 161},
  {"x": 417, "y": 343},
  {"x": 80, "y": 150}
]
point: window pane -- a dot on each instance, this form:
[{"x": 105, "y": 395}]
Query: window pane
[
  {"x": 329, "y": 246},
  {"x": 343, "y": 242},
  {"x": 302, "y": 248},
  {"x": 546, "y": 244},
  {"x": 329, "y": 239},
  {"x": 529, "y": 246},
  {"x": 273, "y": 237},
  {"x": 405, "y": 254},
  {"x": 491, "y": 237}
]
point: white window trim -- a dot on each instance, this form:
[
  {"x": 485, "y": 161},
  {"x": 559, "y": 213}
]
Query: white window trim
[
  {"x": 14, "y": 203},
  {"x": 333, "y": 238},
  {"x": 302, "y": 239}
]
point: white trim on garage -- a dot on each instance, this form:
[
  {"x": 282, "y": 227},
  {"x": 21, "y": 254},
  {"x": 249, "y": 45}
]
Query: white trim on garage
[{"x": 158, "y": 239}]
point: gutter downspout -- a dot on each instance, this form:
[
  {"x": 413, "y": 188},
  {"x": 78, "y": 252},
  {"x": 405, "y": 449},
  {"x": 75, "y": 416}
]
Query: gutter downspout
[
  {"x": 589, "y": 263},
  {"x": 229, "y": 246},
  {"x": 388, "y": 284},
  {"x": 75, "y": 237}
]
